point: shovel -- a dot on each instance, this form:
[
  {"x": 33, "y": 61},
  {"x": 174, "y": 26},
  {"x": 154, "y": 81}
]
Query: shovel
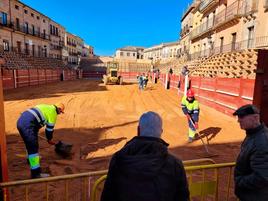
[{"x": 61, "y": 148}]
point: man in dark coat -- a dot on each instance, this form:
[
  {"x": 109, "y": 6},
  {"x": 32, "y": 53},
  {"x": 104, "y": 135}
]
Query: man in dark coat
[
  {"x": 251, "y": 171},
  {"x": 143, "y": 170}
]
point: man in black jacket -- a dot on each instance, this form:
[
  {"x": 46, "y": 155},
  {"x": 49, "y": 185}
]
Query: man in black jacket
[
  {"x": 251, "y": 171},
  {"x": 143, "y": 170}
]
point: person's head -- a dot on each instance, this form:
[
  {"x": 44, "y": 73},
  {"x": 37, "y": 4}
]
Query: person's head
[
  {"x": 59, "y": 108},
  {"x": 190, "y": 95},
  {"x": 248, "y": 116},
  {"x": 150, "y": 125}
]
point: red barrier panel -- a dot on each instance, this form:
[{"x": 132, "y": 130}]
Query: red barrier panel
[
  {"x": 8, "y": 79},
  {"x": 33, "y": 76},
  {"x": 49, "y": 75},
  {"x": 22, "y": 76},
  {"x": 229, "y": 85},
  {"x": 92, "y": 74},
  {"x": 223, "y": 94},
  {"x": 41, "y": 76}
]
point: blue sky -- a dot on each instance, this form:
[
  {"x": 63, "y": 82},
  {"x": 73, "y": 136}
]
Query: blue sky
[{"x": 108, "y": 25}]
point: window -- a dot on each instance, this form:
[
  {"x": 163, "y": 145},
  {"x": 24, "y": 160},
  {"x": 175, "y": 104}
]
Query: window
[
  {"x": 25, "y": 11},
  {"x": 44, "y": 21},
  {"x": 33, "y": 29},
  {"x": 27, "y": 48},
  {"x": 33, "y": 47},
  {"x": 26, "y": 27},
  {"x": 39, "y": 50},
  {"x": 17, "y": 7},
  {"x": 4, "y": 19},
  {"x": 32, "y": 14},
  {"x": 37, "y": 17},
  {"x": 51, "y": 29},
  {"x": 233, "y": 41},
  {"x": 38, "y": 31},
  {"x": 128, "y": 54},
  {"x": 221, "y": 46},
  {"x": 250, "y": 37},
  {"x": 19, "y": 46},
  {"x": 44, "y": 33},
  {"x": 121, "y": 53},
  {"x": 134, "y": 54},
  {"x": 6, "y": 45},
  {"x": 18, "y": 23}
]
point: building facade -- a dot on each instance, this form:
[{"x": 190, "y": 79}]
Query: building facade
[
  {"x": 27, "y": 31},
  {"x": 163, "y": 52},
  {"x": 23, "y": 29},
  {"x": 74, "y": 46},
  {"x": 57, "y": 34},
  {"x": 129, "y": 53},
  {"x": 88, "y": 51},
  {"x": 227, "y": 25}
]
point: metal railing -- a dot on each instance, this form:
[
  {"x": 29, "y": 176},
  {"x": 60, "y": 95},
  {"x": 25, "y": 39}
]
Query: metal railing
[
  {"x": 82, "y": 183},
  {"x": 204, "y": 27},
  {"x": 205, "y": 3},
  {"x": 79, "y": 183},
  {"x": 31, "y": 31},
  {"x": 71, "y": 44},
  {"x": 236, "y": 9},
  {"x": 259, "y": 42},
  {"x": 24, "y": 51},
  {"x": 204, "y": 181},
  {"x": 6, "y": 23}
]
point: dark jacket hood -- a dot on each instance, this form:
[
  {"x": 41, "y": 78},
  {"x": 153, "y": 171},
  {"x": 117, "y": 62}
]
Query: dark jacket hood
[{"x": 142, "y": 156}]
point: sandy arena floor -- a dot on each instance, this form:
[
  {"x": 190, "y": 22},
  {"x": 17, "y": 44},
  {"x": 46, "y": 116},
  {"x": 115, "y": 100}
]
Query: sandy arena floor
[{"x": 100, "y": 119}]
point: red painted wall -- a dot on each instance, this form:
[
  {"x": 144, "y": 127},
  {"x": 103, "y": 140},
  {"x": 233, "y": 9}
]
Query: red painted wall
[{"x": 31, "y": 77}]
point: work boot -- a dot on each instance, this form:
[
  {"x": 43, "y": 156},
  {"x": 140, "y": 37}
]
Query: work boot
[
  {"x": 41, "y": 175},
  {"x": 190, "y": 140}
]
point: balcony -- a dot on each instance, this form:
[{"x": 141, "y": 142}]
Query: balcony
[
  {"x": 206, "y": 4},
  {"x": 229, "y": 14},
  {"x": 265, "y": 4},
  {"x": 30, "y": 31},
  {"x": 73, "y": 54},
  {"x": 55, "y": 47},
  {"x": 185, "y": 30},
  {"x": 71, "y": 44},
  {"x": 254, "y": 43},
  {"x": 202, "y": 29},
  {"x": 249, "y": 8},
  {"x": 61, "y": 43},
  {"x": 226, "y": 17},
  {"x": 6, "y": 24}
]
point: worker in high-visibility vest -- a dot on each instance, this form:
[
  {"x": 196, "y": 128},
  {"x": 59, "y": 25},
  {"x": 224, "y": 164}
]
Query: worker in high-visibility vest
[
  {"x": 29, "y": 125},
  {"x": 190, "y": 108}
]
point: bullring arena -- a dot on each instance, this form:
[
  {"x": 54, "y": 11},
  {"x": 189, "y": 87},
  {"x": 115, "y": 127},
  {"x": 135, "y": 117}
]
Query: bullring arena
[{"x": 99, "y": 119}]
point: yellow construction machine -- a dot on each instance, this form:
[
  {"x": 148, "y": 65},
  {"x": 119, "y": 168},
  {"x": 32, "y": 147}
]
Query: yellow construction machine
[{"x": 112, "y": 75}]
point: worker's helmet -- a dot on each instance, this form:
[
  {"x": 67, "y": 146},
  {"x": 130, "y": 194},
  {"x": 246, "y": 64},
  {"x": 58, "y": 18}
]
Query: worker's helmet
[
  {"x": 60, "y": 106},
  {"x": 190, "y": 93}
]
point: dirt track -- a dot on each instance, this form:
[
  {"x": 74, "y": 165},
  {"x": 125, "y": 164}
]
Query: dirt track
[{"x": 99, "y": 120}]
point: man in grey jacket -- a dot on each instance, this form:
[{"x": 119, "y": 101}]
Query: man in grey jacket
[{"x": 251, "y": 171}]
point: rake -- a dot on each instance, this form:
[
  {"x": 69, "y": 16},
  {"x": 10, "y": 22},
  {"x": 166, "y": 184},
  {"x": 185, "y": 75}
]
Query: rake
[{"x": 209, "y": 154}]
